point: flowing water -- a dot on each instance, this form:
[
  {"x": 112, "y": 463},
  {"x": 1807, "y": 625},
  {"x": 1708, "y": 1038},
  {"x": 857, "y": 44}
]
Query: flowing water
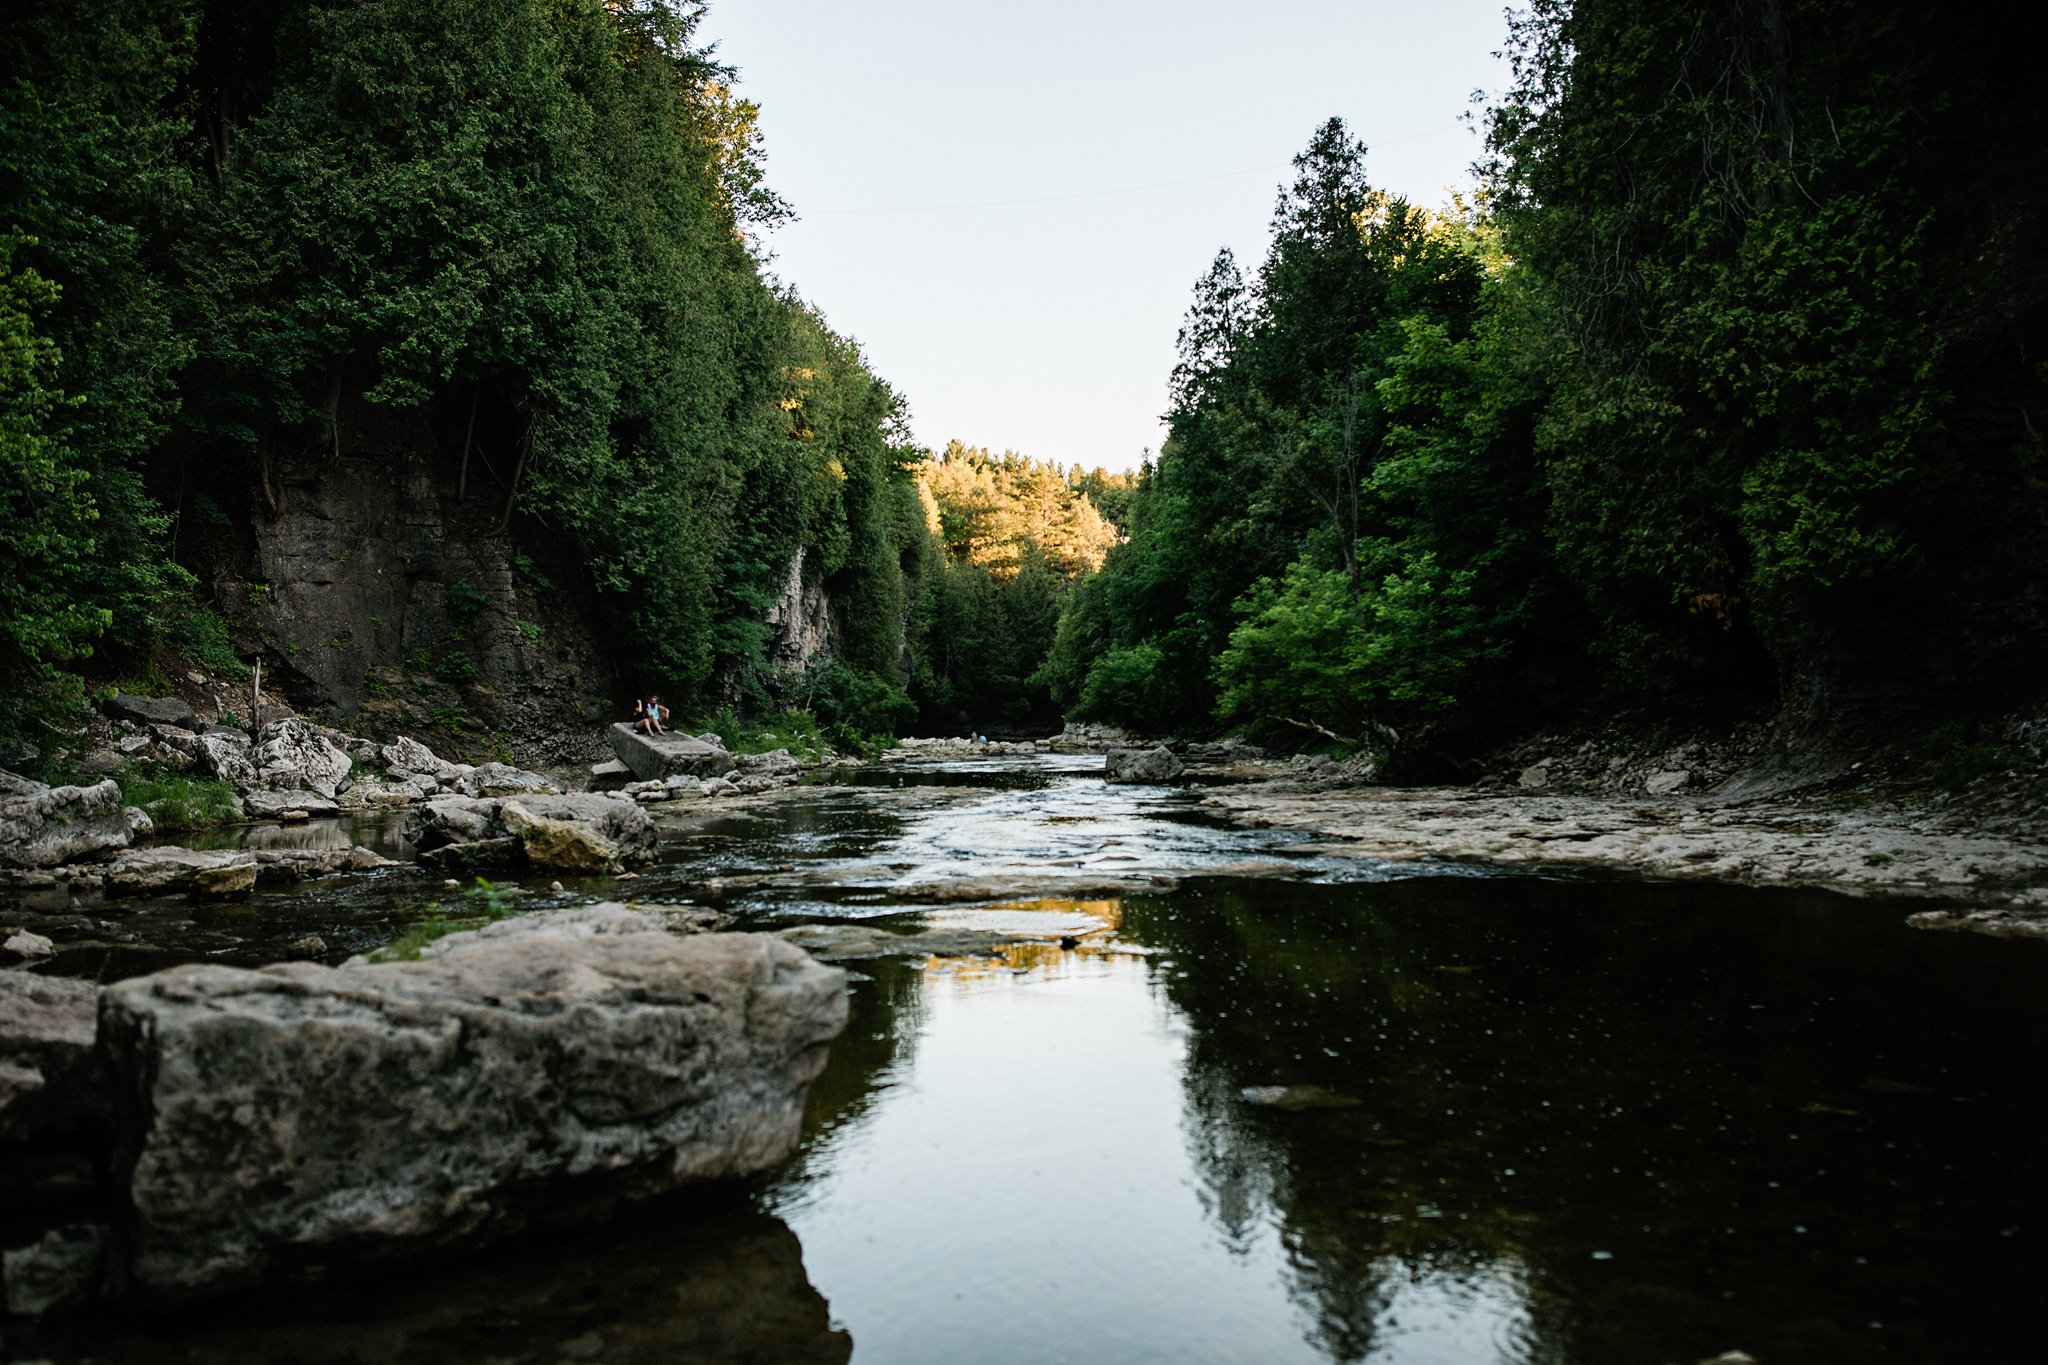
[{"x": 1350, "y": 1114}]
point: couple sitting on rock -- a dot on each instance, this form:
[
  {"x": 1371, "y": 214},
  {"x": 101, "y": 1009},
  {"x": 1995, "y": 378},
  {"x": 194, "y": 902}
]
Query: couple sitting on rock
[{"x": 649, "y": 715}]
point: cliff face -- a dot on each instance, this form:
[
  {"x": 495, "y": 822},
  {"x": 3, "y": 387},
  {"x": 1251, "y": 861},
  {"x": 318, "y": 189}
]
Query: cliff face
[
  {"x": 801, "y": 618},
  {"x": 385, "y": 603}
]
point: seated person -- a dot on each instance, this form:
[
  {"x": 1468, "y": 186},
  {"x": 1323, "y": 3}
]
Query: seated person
[{"x": 648, "y": 716}]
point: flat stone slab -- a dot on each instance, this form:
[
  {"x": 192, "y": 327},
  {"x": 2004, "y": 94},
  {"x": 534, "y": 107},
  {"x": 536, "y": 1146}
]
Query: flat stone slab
[{"x": 652, "y": 757}]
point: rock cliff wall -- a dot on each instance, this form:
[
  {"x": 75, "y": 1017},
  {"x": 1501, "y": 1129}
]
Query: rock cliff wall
[{"x": 383, "y": 601}]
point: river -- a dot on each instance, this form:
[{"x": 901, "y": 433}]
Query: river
[{"x": 1356, "y": 1112}]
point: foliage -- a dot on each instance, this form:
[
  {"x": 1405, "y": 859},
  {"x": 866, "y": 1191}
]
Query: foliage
[
  {"x": 175, "y": 800},
  {"x": 1727, "y": 386},
  {"x": 482, "y": 904},
  {"x": 1013, "y": 534},
  {"x": 248, "y": 231}
]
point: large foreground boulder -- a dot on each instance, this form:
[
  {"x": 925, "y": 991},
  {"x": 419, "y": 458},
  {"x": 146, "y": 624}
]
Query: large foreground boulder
[
  {"x": 44, "y": 826},
  {"x": 302, "y": 1119},
  {"x": 652, "y": 757},
  {"x": 1156, "y": 764}
]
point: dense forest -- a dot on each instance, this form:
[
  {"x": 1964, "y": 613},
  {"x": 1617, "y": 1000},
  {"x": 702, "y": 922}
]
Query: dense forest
[
  {"x": 1725, "y": 397},
  {"x": 1722, "y": 396}
]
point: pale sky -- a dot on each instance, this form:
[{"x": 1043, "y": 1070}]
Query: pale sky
[{"x": 904, "y": 132}]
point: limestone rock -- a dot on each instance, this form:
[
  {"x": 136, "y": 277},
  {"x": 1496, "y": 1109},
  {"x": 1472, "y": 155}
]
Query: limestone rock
[
  {"x": 406, "y": 757},
  {"x": 222, "y": 756},
  {"x": 24, "y": 944},
  {"x": 657, "y": 756},
  {"x": 296, "y": 864},
  {"x": 1535, "y": 777},
  {"x": 774, "y": 763},
  {"x": 560, "y": 845},
  {"x": 306, "y": 1116},
  {"x": 47, "y": 826},
  {"x": 1664, "y": 783},
  {"x": 610, "y": 775},
  {"x": 152, "y": 710},
  {"x": 272, "y": 805},
  {"x": 291, "y": 754},
  {"x": 50, "y": 1078},
  {"x": 502, "y": 779},
  {"x": 63, "y": 1270},
  {"x": 227, "y": 881},
  {"x": 475, "y": 856},
  {"x": 583, "y": 832},
  {"x": 1156, "y": 764},
  {"x": 156, "y": 871},
  {"x": 455, "y": 820}
]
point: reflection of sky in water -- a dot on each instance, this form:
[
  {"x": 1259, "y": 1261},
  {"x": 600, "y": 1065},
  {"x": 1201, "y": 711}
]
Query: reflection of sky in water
[{"x": 1023, "y": 1175}]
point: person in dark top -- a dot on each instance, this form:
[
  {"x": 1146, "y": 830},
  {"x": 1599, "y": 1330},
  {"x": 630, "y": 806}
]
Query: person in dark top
[{"x": 649, "y": 715}]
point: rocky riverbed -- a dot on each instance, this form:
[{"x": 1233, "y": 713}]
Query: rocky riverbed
[{"x": 1873, "y": 849}]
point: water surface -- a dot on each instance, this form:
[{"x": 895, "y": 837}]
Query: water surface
[{"x": 1525, "y": 1119}]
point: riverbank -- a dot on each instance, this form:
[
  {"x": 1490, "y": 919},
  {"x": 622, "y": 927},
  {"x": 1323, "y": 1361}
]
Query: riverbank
[{"x": 1857, "y": 843}]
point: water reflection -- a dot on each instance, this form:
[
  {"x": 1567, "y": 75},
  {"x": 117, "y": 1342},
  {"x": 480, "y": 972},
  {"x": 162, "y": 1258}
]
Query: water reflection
[
  {"x": 710, "y": 1284},
  {"x": 1536, "y": 1122}
]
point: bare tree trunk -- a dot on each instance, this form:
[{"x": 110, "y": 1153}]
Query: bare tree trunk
[
  {"x": 512, "y": 493},
  {"x": 462, "y": 480}
]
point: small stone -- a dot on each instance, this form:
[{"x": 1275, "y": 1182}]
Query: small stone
[
  {"x": 22, "y": 943},
  {"x": 311, "y": 946},
  {"x": 1664, "y": 783},
  {"x": 1537, "y": 776},
  {"x": 297, "y": 815},
  {"x": 556, "y": 886},
  {"x": 452, "y": 885}
]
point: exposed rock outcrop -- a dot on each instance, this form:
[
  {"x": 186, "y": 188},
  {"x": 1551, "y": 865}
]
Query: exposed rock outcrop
[
  {"x": 585, "y": 832},
  {"x": 657, "y": 756},
  {"x": 1156, "y": 764},
  {"x": 291, "y": 754},
  {"x": 152, "y": 710},
  {"x": 44, "y": 826},
  {"x": 303, "y": 1118}
]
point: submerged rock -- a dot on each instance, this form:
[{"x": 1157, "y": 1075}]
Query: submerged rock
[
  {"x": 302, "y": 1118},
  {"x": 44, "y": 826},
  {"x": 1156, "y": 764},
  {"x": 657, "y": 756},
  {"x": 1295, "y": 1098},
  {"x": 853, "y": 942}
]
